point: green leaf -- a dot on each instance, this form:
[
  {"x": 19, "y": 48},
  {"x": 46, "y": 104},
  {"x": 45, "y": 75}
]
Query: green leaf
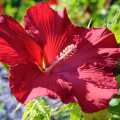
[
  {"x": 76, "y": 113},
  {"x": 114, "y": 110},
  {"x": 115, "y": 119},
  {"x": 16, "y": 108},
  {"x": 35, "y": 117},
  {"x": 118, "y": 80},
  {"x": 89, "y": 23},
  {"x": 112, "y": 22},
  {"x": 100, "y": 115},
  {"x": 29, "y": 108},
  {"x": 104, "y": 24},
  {"x": 67, "y": 107},
  {"x": 6, "y": 67},
  {"x": 31, "y": 116},
  {"x": 37, "y": 111},
  {"x": 44, "y": 111},
  {"x": 44, "y": 102},
  {"x": 117, "y": 38},
  {"x": 39, "y": 117},
  {"x": 104, "y": 114}
]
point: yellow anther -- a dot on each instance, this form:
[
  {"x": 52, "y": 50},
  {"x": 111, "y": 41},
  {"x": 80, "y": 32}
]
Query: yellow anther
[
  {"x": 66, "y": 48},
  {"x": 43, "y": 62},
  {"x": 61, "y": 54},
  {"x": 39, "y": 67},
  {"x": 72, "y": 45},
  {"x": 70, "y": 55},
  {"x": 64, "y": 51},
  {"x": 75, "y": 50},
  {"x": 69, "y": 47}
]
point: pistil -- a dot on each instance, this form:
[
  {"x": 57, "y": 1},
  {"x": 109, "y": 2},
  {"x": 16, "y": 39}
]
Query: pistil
[{"x": 67, "y": 52}]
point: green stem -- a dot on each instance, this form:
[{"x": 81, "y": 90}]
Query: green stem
[
  {"x": 57, "y": 108},
  {"x": 53, "y": 104}
]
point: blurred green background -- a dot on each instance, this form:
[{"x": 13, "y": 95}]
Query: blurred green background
[{"x": 79, "y": 11}]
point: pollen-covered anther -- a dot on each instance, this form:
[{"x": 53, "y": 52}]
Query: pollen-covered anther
[
  {"x": 75, "y": 50},
  {"x": 67, "y": 57},
  {"x": 72, "y": 45},
  {"x": 70, "y": 55},
  {"x": 69, "y": 47},
  {"x": 61, "y": 54},
  {"x": 67, "y": 52},
  {"x": 64, "y": 51}
]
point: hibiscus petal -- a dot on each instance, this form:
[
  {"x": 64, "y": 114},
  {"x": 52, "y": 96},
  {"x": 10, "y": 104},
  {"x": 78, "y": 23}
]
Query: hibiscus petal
[
  {"x": 7, "y": 54},
  {"x": 51, "y": 2},
  {"x": 27, "y": 81},
  {"x": 93, "y": 87},
  {"x": 97, "y": 45},
  {"x": 49, "y": 27},
  {"x": 100, "y": 37},
  {"x": 14, "y": 38}
]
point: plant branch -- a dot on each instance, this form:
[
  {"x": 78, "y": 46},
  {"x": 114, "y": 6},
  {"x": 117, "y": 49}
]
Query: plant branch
[
  {"x": 53, "y": 104},
  {"x": 57, "y": 107},
  {"x": 116, "y": 97}
]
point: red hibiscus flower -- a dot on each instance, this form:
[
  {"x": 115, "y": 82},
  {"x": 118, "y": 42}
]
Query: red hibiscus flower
[
  {"x": 81, "y": 73},
  {"x": 51, "y": 2}
]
